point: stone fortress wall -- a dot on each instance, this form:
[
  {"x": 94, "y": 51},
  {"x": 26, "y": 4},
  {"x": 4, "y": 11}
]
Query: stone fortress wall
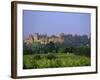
[{"x": 44, "y": 39}]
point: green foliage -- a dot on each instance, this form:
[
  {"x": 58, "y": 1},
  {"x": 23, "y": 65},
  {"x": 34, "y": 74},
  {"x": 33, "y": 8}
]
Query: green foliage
[
  {"x": 37, "y": 48},
  {"x": 83, "y": 50},
  {"x": 36, "y": 56},
  {"x": 51, "y": 56},
  {"x": 75, "y": 51},
  {"x": 27, "y": 49},
  {"x": 50, "y": 47},
  {"x": 54, "y": 60}
]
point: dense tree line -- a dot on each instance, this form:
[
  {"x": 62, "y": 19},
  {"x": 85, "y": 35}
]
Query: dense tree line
[{"x": 37, "y": 48}]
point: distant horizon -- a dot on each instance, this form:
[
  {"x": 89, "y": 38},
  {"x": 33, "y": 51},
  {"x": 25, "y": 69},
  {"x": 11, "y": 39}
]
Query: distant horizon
[
  {"x": 52, "y": 23},
  {"x": 57, "y": 34}
]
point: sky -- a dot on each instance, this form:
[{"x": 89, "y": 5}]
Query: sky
[{"x": 48, "y": 22}]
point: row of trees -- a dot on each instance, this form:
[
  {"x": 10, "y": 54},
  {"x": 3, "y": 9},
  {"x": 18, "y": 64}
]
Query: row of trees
[{"x": 37, "y": 48}]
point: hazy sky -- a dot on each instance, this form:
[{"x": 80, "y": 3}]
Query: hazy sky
[{"x": 49, "y": 23}]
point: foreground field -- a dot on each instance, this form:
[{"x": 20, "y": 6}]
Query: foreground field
[{"x": 54, "y": 60}]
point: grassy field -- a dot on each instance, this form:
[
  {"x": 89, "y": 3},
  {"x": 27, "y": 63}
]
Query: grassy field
[{"x": 54, "y": 60}]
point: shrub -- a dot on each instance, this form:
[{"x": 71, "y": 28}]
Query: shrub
[
  {"x": 83, "y": 50},
  {"x": 51, "y": 56},
  {"x": 36, "y": 56}
]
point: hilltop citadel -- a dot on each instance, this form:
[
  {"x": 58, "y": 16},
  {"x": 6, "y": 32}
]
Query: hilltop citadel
[{"x": 44, "y": 39}]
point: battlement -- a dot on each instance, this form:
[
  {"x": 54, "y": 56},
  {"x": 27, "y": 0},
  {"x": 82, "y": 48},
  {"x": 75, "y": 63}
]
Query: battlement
[{"x": 44, "y": 39}]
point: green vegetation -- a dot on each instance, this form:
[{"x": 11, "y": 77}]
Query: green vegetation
[
  {"x": 37, "y": 48},
  {"x": 54, "y": 60},
  {"x": 75, "y": 51}
]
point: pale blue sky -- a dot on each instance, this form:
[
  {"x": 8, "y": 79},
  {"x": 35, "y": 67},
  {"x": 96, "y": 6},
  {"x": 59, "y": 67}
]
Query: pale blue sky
[{"x": 46, "y": 22}]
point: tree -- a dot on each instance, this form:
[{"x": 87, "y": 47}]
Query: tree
[
  {"x": 50, "y": 47},
  {"x": 83, "y": 51},
  {"x": 27, "y": 49}
]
